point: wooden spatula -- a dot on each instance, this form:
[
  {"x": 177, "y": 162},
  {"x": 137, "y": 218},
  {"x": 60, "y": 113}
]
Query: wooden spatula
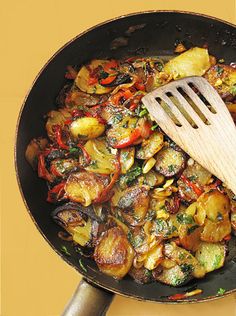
[{"x": 193, "y": 115}]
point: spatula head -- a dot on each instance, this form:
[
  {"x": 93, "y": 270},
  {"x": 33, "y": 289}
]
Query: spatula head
[{"x": 193, "y": 115}]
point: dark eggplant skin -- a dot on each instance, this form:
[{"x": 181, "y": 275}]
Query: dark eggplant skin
[
  {"x": 86, "y": 211},
  {"x": 120, "y": 79}
]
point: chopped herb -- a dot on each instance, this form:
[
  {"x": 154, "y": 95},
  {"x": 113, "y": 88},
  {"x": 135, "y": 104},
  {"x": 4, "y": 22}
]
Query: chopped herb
[
  {"x": 159, "y": 66},
  {"x": 103, "y": 74},
  {"x": 150, "y": 215},
  {"x": 136, "y": 241},
  {"x": 171, "y": 230},
  {"x": 221, "y": 61},
  {"x": 131, "y": 175},
  {"x": 116, "y": 118},
  {"x": 171, "y": 168},
  {"x": 66, "y": 252},
  {"x": 124, "y": 155},
  {"x": 181, "y": 256},
  {"x": 148, "y": 273},
  {"x": 82, "y": 266},
  {"x": 219, "y": 217},
  {"x": 233, "y": 90},
  {"x": 216, "y": 262},
  {"x": 77, "y": 249},
  {"x": 221, "y": 291},
  {"x": 192, "y": 178},
  {"x": 219, "y": 70},
  {"x": 143, "y": 112},
  {"x": 94, "y": 164},
  {"x": 186, "y": 268},
  {"x": 192, "y": 229},
  {"x": 73, "y": 150},
  {"x": 185, "y": 219},
  {"x": 154, "y": 127}
]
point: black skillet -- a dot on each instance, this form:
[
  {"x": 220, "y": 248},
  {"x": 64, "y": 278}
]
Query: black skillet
[{"x": 146, "y": 33}]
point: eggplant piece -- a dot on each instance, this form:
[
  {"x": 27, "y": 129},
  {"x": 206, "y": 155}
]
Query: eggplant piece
[
  {"x": 85, "y": 187},
  {"x": 86, "y": 128},
  {"x": 85, "y": 211},
  {"x": 34, "y": 148},
  {"x": 113, "y": 253},
  {"x": 223, "y": 79},
  {"x": 211, "y": 255},
  {"x": 135, "y": 201},
  {"x": 170, "y": 162},
  {"x": 197, "y": 175},
  {"x": 121, "y": 78},
  {"x": 141, "y": 275},
  {"x": 60, "y": 100},
  {"x": 150, "y": 146},
  {"x": 77, "y": 98}
]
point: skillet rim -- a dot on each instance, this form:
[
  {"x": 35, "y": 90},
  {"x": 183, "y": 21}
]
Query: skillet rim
[{"x": 80, "y": 270}]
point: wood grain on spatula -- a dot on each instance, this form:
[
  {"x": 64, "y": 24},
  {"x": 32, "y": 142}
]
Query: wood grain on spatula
[{"x": 193, "y": 115}]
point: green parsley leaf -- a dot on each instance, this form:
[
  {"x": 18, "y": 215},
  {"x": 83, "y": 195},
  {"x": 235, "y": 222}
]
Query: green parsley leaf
[
  {"x": 185, "y": 219},
  {"x": 221, "y": 291},
  {"x": 82, "y": 266},
  {"x": 66, "y": 252},
  {"x": 154, "y": 127},
  {"x": 143, "y": 112}
]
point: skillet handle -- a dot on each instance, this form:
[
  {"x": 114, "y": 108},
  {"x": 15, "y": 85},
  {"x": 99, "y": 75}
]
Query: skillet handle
[{"x": 88, "y": 300}]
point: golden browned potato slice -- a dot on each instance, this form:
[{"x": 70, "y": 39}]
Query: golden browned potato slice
[
  {"x": 113, "y": 253},
  {"x": 122, "y": 132},
  {"x": 86, "y": 128},
  {"x": 151, "y": 179},
  {"x": 102, "y": 160},
  {"x": 193, "y": 62},
  {"x": 135, "y": 201},
  {"x": 56, "y": 118},
  {"x": 154, "y": 257},
  {"x": 170, "y": 162},
  {"x": 83, "y": 78},
  {"x": 126, "y": 159},
  {"x": 85, "y": 187},
  {"x": 174, "y": 276},
  {"x": 232, "y": 198},
  {"x": 150, "y": 146},
  {"x": 189, "y": 236},
  {"x": 183, "y": 257},
  {"x": 211, "y": 255},
  {"x": 215, "y": 207},
  {"x": 196, "y": 174},
  {"x": 33, "y": 150},
  {"x": 223, "y": 79}
]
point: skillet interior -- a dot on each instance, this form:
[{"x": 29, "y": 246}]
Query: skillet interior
[{"x": 157, "y": 37}]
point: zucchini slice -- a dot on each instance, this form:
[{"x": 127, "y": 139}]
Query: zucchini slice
[{"x": 170, "y": 162}]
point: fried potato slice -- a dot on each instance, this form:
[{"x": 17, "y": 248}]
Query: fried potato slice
[{"x": 113, "y": 253}]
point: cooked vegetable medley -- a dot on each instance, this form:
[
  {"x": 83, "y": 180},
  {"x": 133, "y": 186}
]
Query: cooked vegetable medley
[{"x": 124, "y": 192}]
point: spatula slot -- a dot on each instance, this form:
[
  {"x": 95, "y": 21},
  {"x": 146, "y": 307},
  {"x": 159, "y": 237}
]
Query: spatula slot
[
  {"x": 168, "y": 111},
  {"x": 193, "y": 104},
  {"x": 202, "y": 98},
  {"x": 181, "y": 109}
]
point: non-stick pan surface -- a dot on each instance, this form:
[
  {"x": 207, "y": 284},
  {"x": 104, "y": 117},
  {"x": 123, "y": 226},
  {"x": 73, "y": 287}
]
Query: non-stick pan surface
[{"x": 156, "y": 34}]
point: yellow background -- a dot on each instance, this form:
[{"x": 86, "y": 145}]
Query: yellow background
[{"x": 35, "y": 281}]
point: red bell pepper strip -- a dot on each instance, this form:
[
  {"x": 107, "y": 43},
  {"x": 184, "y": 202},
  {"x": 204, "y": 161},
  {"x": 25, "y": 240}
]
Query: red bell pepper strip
[
  {"x": 129, "y": 140},
  {"x": 107, "y": 193},
  {"x": 192, "y": 185},
  {"x": 42, "y": 170},
  {"x": 110, "y": 66},
  {"x": 57, "y": 193},
  {"x": 228, "y": 237},
  {"x": 140, "y": 86},
  {"x": 92, "y": 80},
  {"x": 107, "y": 80},
  {"x": 85, "y": 153},
  {"x": 145, "y": 128},
  {"x": 59, "y": 137},
  {"x": 180, "y": 296}
]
